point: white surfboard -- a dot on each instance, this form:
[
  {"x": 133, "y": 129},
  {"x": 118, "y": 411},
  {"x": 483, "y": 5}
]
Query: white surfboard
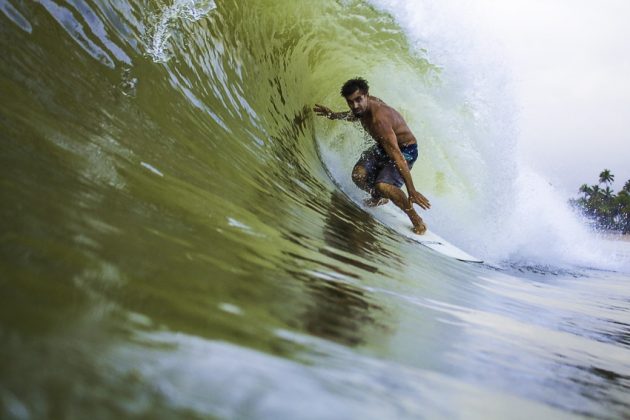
[
  {"x": 436, "y": 243},
  {"x": 390, "y": 217},
  {"x": 401, "y": 224}
]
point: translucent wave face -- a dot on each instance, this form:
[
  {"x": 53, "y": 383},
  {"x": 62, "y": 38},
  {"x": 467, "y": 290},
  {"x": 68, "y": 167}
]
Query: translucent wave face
[{"x": 183, "y": 238}]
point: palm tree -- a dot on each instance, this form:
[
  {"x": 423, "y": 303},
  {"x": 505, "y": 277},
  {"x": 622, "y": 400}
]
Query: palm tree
[
  {"x": 606, "y": 177},
  {"x": 605, "y": 211},
  {"x": 600, "y": 203},
  {"x": 594, "y": 201},
  {"x": 623, "y": 210},
  {"x": 608, "y": 193},
  {"x": 587, "y": 191}
]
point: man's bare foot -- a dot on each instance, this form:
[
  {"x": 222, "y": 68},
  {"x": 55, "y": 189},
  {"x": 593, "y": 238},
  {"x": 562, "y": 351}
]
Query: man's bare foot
[
  {"x": 418, "y": 225},
  {"x": 376, "y": 201},
  {"x": 421, "y": 229}
]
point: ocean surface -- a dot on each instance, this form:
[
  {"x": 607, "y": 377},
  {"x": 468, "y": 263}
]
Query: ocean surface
[{"x": 180, "y": 237}]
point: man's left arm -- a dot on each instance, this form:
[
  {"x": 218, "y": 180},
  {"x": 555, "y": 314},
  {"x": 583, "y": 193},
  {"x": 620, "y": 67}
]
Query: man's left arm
[{"x": 388, "y": 140}]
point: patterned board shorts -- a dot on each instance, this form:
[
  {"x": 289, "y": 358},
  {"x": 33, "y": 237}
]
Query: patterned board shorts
[{"x": 380, "y": 168}]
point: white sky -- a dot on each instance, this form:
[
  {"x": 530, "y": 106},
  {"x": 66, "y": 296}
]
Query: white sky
[{"x": 570, "y": 60}]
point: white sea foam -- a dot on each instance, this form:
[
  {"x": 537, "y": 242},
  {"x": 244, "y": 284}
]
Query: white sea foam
[{"x": 162, "y": 25}]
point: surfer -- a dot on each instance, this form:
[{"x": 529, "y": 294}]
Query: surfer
[{"x": 383, "y": 168}]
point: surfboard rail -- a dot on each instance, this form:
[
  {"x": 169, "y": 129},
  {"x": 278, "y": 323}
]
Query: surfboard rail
[{"x": 436, "y": 243}]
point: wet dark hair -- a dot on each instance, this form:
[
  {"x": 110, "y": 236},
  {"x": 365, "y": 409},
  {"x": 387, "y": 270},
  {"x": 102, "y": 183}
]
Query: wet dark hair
[{"x": 352, "y": 85}]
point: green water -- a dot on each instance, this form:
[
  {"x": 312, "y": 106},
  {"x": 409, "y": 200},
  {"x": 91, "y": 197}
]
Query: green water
[{"x": 172, "y": 244}]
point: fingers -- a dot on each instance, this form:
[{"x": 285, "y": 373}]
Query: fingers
[
  {"x": 420, "y": 200},
  {"x": 424, "y": 202},
  {"x": 415, "y": 200},
  {"x": 321, "y": 110}
]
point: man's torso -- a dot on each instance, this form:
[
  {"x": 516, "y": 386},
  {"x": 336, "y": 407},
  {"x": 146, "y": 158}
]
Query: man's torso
[{"x": 381, "y": 111}]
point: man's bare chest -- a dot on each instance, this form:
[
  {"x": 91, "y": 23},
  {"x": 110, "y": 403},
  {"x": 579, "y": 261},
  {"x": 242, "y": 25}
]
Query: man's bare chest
[{"x": 374, "y": 133}]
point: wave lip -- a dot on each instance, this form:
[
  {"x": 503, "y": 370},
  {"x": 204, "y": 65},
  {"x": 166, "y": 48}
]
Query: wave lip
[{"x": 164, "y": 23}]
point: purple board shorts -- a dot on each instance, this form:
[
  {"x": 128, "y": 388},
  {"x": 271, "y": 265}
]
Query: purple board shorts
[{"x": 380, "y": 168}]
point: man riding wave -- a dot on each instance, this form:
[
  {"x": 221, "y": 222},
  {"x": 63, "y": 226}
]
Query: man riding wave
[{"x": 383, "y": 168}]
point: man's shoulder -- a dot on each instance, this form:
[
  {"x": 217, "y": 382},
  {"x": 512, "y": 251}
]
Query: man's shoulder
[{"x": 383, "y": 112}]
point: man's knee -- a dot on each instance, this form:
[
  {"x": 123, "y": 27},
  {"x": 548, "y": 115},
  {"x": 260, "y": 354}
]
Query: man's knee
[
  {"x": 383, "y": 188},
  {"x": 359, "y": 175}
]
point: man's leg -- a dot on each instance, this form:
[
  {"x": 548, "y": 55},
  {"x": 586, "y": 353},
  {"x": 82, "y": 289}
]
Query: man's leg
[
  {"x": 364, "y": 181},
  {"x": 400, "y": 199},
  {"x": 364, "y": 176},
  {"x": 360, "y": 177}
]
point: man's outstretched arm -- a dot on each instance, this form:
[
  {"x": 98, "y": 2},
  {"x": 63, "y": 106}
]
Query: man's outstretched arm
[{"x": 326, "y": 112}]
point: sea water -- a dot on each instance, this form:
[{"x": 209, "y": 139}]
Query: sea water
[{"x": 181, "y": 237}]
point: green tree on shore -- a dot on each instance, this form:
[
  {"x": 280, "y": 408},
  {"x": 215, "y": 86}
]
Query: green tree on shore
[
  {"x": 605, "y": 177},
  {"x": 607, "y": 210}
]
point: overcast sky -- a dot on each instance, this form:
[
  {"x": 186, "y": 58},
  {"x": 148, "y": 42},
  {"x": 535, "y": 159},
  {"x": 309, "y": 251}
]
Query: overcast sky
[{"x": 571, "y": 64}]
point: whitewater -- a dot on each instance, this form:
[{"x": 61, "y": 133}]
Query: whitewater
[{"x": 181, "y": 237}]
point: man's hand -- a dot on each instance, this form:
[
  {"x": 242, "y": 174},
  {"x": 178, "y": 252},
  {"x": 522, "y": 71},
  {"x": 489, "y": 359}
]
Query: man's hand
[
  {"x": 419, "y": 199},
  {"x": 322, "y": 111}
]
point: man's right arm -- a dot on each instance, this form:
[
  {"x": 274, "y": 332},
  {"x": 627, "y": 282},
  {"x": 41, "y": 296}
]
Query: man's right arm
[{"x": 326, "y": 112}]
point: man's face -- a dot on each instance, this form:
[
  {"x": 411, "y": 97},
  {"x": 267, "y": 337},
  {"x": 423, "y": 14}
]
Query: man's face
[{"x": 358, "y": 102}]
